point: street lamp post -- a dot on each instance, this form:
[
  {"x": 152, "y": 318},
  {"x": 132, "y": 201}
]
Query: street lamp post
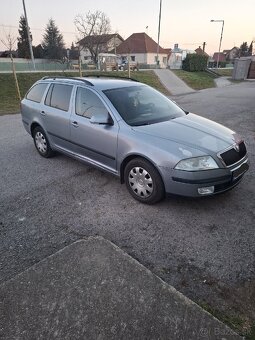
[{"x": 220, "y": 39}]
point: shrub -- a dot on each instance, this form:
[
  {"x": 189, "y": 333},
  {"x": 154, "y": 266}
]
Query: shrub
[{"x": 194, "y": 62}]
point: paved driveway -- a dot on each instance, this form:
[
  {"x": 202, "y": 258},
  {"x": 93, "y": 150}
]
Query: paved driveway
[{"x": 205, "y": 248}]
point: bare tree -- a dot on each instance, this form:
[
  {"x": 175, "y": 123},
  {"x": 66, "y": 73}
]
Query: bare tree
[
  {"x": 9, "y": 42},
  {"x": 93, "y": 28}
]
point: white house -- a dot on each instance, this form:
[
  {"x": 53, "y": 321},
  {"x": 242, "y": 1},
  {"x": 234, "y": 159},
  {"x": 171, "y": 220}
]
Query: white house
[
  {"x": 143, "y": 50},
  {"x": 101, "y": 43},
  {"x": 177, "y": 56}
]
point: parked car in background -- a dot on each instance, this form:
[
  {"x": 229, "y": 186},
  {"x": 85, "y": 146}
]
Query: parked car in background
[{"x": 136, "y": 133}]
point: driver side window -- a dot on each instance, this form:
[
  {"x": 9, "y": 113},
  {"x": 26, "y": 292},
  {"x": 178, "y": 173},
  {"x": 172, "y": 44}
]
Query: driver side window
[{"x": 87, "y": 103}]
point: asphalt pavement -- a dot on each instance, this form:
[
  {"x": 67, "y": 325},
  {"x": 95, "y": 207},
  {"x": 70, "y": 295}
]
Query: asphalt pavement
[{"x": 204, "y": 248}]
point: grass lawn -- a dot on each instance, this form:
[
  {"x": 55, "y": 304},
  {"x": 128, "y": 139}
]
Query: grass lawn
[
  {"x": 225, "y": 72},
  {"x": 196, "y": 80},
  {"x": 9, "y": 102}
]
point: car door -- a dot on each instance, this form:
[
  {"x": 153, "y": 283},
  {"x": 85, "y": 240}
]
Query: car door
[
  {"x": 96, "y": 143},
  {"x": 56, "y": 114}
]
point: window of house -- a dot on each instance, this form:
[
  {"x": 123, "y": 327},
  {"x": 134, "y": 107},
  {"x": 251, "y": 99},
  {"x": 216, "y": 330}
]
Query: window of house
[
  {"x": 36, "y": 93},
  {"x": 164, "y": 60},
  {"x": 155, "y": 59},
  {"x": 59, "y": 96},
  {"x": 87, "y": 103},
  {"x": 132, "y": 57}
]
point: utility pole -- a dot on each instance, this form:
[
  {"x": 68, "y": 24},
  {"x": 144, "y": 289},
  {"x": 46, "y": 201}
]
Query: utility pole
[
  {"x": 159, "y": 22},
  {"x": 28, "y": 35},
  {"x": 222, "y": 27},
  {"x": 204, "y": 43}
]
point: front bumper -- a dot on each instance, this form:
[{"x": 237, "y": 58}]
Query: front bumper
[{"x": 187, "y": 183}]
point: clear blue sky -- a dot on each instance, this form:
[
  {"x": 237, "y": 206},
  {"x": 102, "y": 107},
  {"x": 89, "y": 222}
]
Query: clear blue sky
[{"x": 186, "y": 22}]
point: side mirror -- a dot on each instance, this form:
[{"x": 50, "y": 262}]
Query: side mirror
[{"x": 101, "y": 118}]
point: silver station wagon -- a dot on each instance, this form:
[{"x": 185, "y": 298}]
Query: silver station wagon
[{"x": 134, "y": 132}]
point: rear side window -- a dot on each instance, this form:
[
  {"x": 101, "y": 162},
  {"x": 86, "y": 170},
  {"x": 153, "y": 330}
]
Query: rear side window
[
  {"x": 59, "y": 96},
  {"x": 87, "y": 103},
  {"x": 36, "y": 92}
]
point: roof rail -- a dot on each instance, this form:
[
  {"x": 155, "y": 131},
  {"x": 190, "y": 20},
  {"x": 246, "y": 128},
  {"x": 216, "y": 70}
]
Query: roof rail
[
  {"x": 71, "y": 78},
  {"x": 109, "y": 76}
]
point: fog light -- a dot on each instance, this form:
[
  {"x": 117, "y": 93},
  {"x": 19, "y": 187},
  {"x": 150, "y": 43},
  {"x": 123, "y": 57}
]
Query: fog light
[{"x": 206, "y": 190}]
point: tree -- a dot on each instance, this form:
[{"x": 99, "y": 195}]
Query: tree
[
  {"x": 250, "y": 49},
  {"x": 8, "y": 42},
  {"x": 93, "y": 28},
  {"x": 74, "y": 52},
  {"x": 38, "y": 51},
  {"x": 23, "y": 42},
  {"x": 53, "y": 42},
  {"x": 244, "y": 49}
]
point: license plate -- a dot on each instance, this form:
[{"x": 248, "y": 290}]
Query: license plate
[{"x": 240, "y": 171}]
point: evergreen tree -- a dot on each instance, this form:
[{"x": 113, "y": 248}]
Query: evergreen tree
[
  {"x": 38, "y": 51},
  {"x": 53, "y": 42},
  {"x": 23, "y": 43},
  {"x": 74, "y": 53},
  {"x": 250, "y": 49},
  {"x": 244, "y": 49}
]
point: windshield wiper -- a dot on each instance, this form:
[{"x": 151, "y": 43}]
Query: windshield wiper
[{"x": 141, "y": 124}]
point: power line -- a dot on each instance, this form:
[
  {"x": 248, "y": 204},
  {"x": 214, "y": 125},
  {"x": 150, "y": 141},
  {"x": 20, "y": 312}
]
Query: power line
[
  {"x": 35, "y": 29},
  {"x": 180, "y": 43}
]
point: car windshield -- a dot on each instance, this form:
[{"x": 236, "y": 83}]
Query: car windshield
[{"x": 142, "y": 105}]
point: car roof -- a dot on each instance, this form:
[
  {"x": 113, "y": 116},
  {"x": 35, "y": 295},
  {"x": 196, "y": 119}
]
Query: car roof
[{"x": 102, "y": 84}]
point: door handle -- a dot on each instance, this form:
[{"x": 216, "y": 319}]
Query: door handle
[
  {"x": 75, "y": 124},
  {"x": 43, "y": 113}
]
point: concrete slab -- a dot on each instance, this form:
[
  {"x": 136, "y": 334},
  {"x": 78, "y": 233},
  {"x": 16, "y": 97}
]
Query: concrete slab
[
  {"x": 174, "y": 84},
  {"x": 222, "y": 82},
  {"x": 93, "y": 290}
]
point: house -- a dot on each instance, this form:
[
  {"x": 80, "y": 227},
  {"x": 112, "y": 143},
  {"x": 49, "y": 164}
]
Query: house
[
  {"x": 232, "y": 54},
  {"x": 219, "y": 56},
  {"x": 104, "y": 43},
  {"x": 142, "y": 49},
  {"x": 177, "y": 56},
  {"x": 200, "y": 51}
]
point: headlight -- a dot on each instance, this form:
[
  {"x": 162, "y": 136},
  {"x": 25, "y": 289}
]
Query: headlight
[{"x": 197, "y": 163}]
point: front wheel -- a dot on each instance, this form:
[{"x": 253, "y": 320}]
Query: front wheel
[
  {"x": 41, "y": 143},
  {"x": 143, "y": 181}
]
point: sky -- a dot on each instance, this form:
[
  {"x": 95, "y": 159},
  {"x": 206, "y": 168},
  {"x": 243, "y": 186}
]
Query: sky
[{"x": 186, "y": 22}]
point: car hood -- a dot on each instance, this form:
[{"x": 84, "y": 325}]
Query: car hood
[{"x": 192, "y": 130}]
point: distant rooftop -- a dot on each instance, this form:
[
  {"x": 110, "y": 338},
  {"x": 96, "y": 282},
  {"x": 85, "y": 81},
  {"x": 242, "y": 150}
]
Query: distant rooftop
[{"x": 139, "y": 43}]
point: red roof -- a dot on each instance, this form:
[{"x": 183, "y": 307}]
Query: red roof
[
  {"x": 222, "y": 56},
  {"x": 139, "y": 43},
  {"x": 199, "y": 51}
]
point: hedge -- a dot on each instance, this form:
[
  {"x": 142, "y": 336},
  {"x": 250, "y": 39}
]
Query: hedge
[{"x": 194, "y": 62}]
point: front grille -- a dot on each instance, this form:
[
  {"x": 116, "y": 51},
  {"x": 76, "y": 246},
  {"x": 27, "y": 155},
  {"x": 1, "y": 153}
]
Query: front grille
[{"x": 232, "y": 156}]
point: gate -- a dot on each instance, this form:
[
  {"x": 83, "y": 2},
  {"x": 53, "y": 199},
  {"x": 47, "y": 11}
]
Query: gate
[{"x": 251, "y": 73}]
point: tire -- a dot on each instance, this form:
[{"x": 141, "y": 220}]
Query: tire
[
  {"x": 41, "y": 143},
  {"x": 143, "y": 181}
]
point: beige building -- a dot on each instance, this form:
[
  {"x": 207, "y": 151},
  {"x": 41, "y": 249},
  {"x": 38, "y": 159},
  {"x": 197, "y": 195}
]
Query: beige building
[
  {"x": 142, "y": 49},
  {"x": 105, "y": 43}
]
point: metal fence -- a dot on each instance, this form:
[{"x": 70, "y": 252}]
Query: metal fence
[{"x": 24, "y": 65}]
